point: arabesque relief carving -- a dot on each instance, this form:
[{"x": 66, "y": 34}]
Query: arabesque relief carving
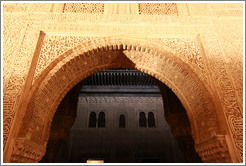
[
  {"x": 231, "y": 106},
  {"x": 189, "y": 51},
  {"x": 186, "y": 48},
  {"x": 233, "y": 45},
  {"x": 16, "y": 62},
  {"x": 56, "y": 45}
]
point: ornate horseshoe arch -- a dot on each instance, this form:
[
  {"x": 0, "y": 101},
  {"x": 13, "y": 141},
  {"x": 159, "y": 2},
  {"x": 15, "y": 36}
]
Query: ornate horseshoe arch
[{"x": 84, "y": 60}]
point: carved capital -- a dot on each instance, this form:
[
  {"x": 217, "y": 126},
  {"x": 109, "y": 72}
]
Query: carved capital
[
  {"x": 26, "y": 151},
  {"x": 214, "y": 149}
]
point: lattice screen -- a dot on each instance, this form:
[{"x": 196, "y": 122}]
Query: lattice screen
[
  {"x": 83, "y": 8},
  {"x": 158, "y": 8}
]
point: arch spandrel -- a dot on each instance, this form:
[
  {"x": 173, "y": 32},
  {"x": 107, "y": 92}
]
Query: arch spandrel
[{"x": 88, "y": 58}]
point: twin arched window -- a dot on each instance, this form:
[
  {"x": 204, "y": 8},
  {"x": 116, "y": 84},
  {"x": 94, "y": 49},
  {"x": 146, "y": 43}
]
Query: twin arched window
[
  {"x": 93, "y": 123},
  {"x": 101, "y": 122},
  {"x": 143, "y": 120}
]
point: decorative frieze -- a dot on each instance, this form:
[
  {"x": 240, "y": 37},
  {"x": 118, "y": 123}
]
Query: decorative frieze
[
  {"x": 87, "y": 100},
  {"x": 158, "y": 8},
  {"x": 83, "y": 8},
  {"x": 120, "y": 77}
]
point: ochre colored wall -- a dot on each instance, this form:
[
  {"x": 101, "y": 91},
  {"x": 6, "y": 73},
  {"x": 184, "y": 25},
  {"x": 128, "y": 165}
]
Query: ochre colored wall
[{"x": 207, "y": 38}]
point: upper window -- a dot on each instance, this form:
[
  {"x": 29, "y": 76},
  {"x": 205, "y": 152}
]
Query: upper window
[
  {"x": 151, "y": 119},
  {"x": 101, "y": 120},
  {"x": 92, "y": 120},
  {"x": 142, "y": 120},
  {"x": 122, "y": 121}
]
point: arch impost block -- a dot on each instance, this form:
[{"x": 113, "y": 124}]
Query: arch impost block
[
  {"x": 26, "y": 151},
  {"x": 214, "y": 149}
]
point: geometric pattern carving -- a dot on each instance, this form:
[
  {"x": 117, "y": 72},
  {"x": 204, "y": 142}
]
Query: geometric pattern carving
[
  {"x": 126, "y": 100},
  {"x": 84, "y": 8},
  {"x": 158, "y": 8}
]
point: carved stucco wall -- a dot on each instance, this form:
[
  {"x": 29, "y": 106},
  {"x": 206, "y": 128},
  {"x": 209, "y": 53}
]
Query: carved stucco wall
[{"x": 209, "y": 41}]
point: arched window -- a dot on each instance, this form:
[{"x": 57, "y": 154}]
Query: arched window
[
  {"x": 151, "y": 119},
  {"x": 92, "y": 120},
  {"x": 142, "y": 120},
  {"x": 122, "y": 121},
  {"x": 101, "y": 120}
]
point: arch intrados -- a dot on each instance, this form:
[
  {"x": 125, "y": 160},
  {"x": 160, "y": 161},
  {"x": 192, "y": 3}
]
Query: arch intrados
[{"x": 95, "y": 47}]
